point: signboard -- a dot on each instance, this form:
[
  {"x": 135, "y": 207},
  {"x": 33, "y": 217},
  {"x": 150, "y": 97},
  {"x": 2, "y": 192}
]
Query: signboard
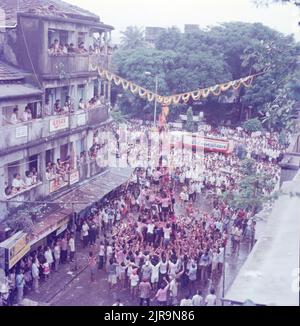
[
  {"x": 15, "y": 248},
  {"x": 61, "y": 229},
  {"x": 54, "y": 185},
  {"x": 59, "y": 123},
  {"x": 21, "y": 131},
  {"x": 81, "y": 119},
  {"x": 210, "y": 144},
  {"x": 216, "y": 145},
  {"x": 184, "y": 118},
  {"x": 74, "y": 177},
  {"x": 12, "y": 260}
]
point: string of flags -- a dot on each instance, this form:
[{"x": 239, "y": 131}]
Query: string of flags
[{"x": 198, "y": 94}]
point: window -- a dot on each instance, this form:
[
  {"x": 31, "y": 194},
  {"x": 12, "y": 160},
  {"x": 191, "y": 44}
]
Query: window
[
  {"x": 49, "y": 156},
  {"x": 80, "y": 146},
  {"x": 96, "y": 87},
  {"x": 81, "y": 92},
  {"x": 64, "y": 94},
  {"x": 63, "y": 37},
  {"x": 12, "y": 169},
  {"x": 7, "y": 113},
  {"x": 33, "y": 162},
  {"x": 81, "y": 38},
  {"x": 64, "y": 152}
]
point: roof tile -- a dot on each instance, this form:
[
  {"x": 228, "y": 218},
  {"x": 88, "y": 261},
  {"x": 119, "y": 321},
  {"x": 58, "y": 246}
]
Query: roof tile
[{"x": 56, "y": 8}]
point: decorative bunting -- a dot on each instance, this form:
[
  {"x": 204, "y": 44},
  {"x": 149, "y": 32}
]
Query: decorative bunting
[{"x": 176, "y": 98}]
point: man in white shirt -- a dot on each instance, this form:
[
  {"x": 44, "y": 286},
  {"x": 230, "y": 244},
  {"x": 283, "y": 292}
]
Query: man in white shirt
[
  {"x": 85, "y": 233},
  {"x": 35, "y": 275},
  {"x": 186, "y": 302},
  {"x": 14, "y": 117},
  {"x": 211, "y": 299},
  {"x": 197, "y": 299},
  {"x": 71, "y": 244},
  {"x": 150, "y": 232},
  {"x": 167, "y": 234},
  {"x": 18, "y": 183},
  {"x": 28, "y": 179}
]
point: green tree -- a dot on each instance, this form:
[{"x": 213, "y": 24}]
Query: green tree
[
  {"x": 133, "y": 37},
  {"x": 118, "y": 116},
  {"x": 280, "y": 113},
  {"x": 253, "y": 125},
  {"x": 250, "y": 195},
  {"x": 185, "y": 62}
]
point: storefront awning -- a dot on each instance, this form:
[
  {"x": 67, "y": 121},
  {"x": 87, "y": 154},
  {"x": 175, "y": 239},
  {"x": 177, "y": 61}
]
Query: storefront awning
[
  {"x": 49, "y": 224},
  {"x": 90, "y": 193}
]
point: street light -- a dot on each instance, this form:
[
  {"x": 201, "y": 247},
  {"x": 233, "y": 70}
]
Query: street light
[{"x": 148, "y": 73}]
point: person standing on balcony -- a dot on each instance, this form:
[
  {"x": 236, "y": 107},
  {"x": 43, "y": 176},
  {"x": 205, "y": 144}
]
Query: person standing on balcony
[
  {"x": 71, "y": 48},
  {"x": 14, "y": 117},
  {"x": 81, "y": 105},
  {"x": 57, "y": 108},
  {"x": 48, "y": 110},
  {"x": 56, "y": 47},
  {"x": 28, "y": 179},
  {"x": 18, "y": 183}
]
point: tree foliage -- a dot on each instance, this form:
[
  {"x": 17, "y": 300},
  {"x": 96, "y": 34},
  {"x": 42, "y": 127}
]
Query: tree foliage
[
  {"x": 253, "y": 125},
  {"x": 132, "y": 37},
  {"x": 250, "y": 194},
  {"x": 185, "y": 62}
]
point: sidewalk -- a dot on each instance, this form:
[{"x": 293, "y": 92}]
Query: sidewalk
[{"x": 59, "y": 280}]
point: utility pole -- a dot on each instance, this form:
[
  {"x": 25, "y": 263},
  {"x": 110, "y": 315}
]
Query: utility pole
[
  {"x": 155, "y": 103},
  {"x": 224, "y": 266}
]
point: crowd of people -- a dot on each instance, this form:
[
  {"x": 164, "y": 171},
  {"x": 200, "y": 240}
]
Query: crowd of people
[
  {"x": 58, "y": 49},
  {"x": 59, "y": 171},
  {"x": 36, "y": 268},
  {"x": 164, "y": 234},
  {"x": 159, "y": 240},
  {"x": 25, "y": 116},
  {"x": 69, "y": 106},
  {"x": 18, "y": 184}
]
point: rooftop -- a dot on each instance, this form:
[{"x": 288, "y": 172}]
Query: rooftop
[
  {"x": 13, "y": 91},
  {"x": 56, "y": 8},
  {"x": 270, "y": 275},
  {"x": 9, "y": 73}
]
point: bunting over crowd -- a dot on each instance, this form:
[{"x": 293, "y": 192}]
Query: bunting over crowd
[{"x": 177, "y": 98}]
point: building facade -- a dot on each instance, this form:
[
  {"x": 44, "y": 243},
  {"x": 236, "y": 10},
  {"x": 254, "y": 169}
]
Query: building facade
[{"x": 52, "y": 101}]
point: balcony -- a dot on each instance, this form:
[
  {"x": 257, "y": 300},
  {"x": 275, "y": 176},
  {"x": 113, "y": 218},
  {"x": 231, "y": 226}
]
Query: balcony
[
  {"x": 73, "y": 63},
  {"x": 25, "y": 195},
  {"x": 37, "y": 129}
]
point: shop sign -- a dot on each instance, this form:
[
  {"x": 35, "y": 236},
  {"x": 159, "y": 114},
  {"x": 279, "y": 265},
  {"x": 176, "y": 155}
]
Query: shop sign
[
  {"x": 22, "y": 132},
  {"x": 59, "y": 123},
  {"x": 15, "y": 248},
  {"x": 54, "y": 185},
  {"x": 81, "y": 119},
  {"x": 74, "y": 177}
]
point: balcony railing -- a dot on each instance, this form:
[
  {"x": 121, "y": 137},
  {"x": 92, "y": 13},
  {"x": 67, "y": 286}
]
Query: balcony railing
[
  {"x": 34, "y": 130},
  {"x": 74, "y": 63}
]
